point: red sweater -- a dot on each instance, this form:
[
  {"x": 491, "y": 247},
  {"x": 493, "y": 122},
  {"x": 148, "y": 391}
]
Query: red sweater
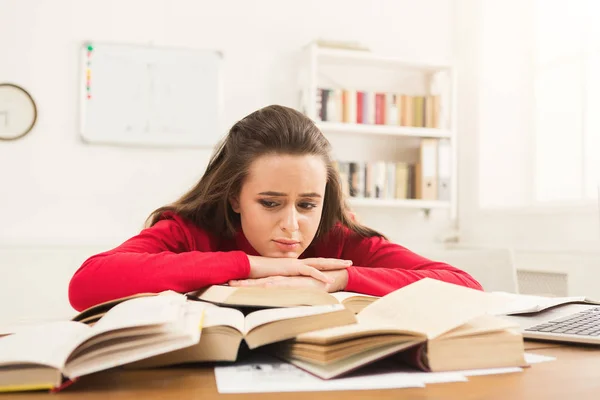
[{"x": 177, "y": 255}]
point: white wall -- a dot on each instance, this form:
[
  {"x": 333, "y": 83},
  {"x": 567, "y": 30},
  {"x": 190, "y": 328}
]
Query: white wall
[
  {"x": 56, "y": 191},
  {"x": 496, "y": 152}
]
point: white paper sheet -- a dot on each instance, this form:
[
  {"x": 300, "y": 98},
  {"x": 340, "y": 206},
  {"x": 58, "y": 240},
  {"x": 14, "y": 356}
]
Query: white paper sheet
[
  {"x": 262, "y": 373},
  {"x": 532, "y": 358}
]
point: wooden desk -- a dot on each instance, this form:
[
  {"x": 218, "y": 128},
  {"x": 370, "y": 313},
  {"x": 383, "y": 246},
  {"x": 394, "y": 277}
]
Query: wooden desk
[{"x": 575, "y": 374}]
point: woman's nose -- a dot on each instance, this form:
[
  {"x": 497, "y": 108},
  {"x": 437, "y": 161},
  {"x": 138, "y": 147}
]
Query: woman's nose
[{"x": 289, "y": 222}]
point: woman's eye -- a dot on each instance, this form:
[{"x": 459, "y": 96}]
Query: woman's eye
[
  {"x": 307, "y": 206},
  {"x": 268, "y": 204}
]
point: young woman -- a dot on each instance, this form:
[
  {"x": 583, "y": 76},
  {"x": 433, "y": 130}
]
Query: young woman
[{"x": 268, "y": 212}]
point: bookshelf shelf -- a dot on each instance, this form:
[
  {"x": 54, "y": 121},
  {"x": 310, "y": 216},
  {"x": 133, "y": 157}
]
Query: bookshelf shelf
[
  {"x": 404, "y": 203},
  {"x": 387, "y": 130},
  {"x": 368, "y": 58},
  {"x": 367, "y": 105}
]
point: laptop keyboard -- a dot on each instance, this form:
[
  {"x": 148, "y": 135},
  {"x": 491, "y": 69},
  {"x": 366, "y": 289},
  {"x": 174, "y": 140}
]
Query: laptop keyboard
[{"x": 585, "y": 323}]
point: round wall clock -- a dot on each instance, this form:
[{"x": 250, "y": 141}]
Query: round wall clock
[{"x": 18, "y": 112}]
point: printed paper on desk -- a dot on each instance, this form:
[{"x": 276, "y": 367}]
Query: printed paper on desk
[{"x": 261, "y": 374}]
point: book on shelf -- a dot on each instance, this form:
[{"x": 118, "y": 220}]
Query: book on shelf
[
  {"x": 225, "y": 328},
  {"x": 47, "y": 355},
  {"x": 377, "y": 179},
  {"x": 444, "y": 170},
  {"x": 279, "y": 297},
  {"x": 433, "y": 325},
  {"x": 347, "y": 105},
  {"x": 426, "y": 170}
]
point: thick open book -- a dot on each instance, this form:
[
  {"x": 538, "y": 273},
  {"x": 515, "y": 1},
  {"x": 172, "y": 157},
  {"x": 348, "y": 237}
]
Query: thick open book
[
  {"x": 434, "y": 325},
  {"x": 224, "y": 329},
  {"x": 279, "y": 297},
  {"x": 525, "y": 304},
  {"x": 43, "y": 356}
]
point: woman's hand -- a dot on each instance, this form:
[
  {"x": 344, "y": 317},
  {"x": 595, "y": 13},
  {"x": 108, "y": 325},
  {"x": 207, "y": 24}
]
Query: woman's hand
[
  {"x": 262, "y": 267},
  {"x": 338, "y": 281}
]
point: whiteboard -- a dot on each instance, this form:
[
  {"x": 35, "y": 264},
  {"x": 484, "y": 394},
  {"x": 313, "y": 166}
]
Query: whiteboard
[{"x": 144, "y": 95}]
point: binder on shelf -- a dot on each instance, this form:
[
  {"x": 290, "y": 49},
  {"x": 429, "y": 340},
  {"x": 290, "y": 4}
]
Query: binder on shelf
[
  {"x": 402, "y": 180},
  {"x": 444, "y": 169},
  {"x": 426, "y": 170}
]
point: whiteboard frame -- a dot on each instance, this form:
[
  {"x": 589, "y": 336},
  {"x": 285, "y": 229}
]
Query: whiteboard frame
[{"x": 167, "y": 141}]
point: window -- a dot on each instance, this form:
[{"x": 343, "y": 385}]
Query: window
[{"x": 566, "y": 112}]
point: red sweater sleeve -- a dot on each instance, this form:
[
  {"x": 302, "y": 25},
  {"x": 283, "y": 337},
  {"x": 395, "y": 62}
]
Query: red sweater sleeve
[
  {"x": 163, "y": 257},
  {"x": 380, "y": 267}
]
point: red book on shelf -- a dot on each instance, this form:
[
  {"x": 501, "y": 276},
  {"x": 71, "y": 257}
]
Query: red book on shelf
[
  {"x": 360, "y": 117},
  {"x": 380, "y": 108}
]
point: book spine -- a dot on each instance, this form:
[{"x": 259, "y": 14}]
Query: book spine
[
  {"x": 324, "y": 104},
  {"x": 319, "y": 105},
  {"x": 372, "y": 109},
  {"x": 415, "y": 356},
  {"x": 360, "y": 107}
]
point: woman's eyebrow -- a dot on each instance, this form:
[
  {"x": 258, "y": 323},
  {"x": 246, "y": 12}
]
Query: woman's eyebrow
[{"x": 280, "y": 194}]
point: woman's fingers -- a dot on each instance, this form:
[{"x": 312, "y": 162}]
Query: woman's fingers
[
  {"x": 306, "y": 270},
  {"x": 327, "y": 264}
]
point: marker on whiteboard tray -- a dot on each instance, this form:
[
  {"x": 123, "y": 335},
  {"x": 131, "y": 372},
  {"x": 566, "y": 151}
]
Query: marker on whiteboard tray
[{"x": 88, "y": 71}]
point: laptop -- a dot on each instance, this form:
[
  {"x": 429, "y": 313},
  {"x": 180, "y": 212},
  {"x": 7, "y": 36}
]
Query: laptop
[{"x": 571, "y": 323}]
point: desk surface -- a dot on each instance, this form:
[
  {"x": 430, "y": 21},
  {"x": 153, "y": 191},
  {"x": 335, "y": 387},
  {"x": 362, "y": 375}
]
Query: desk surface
[{"x": 575, "y": 374}]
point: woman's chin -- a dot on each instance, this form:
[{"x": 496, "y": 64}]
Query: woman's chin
[{"x": 281, "y": 254}]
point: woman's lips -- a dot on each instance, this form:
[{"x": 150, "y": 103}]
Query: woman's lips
[{"x": 286, "y": 244}]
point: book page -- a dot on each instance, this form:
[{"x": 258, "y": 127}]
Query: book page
[
  {"x": 224, "y": 316},
  {"x": 481, "y": 324},
  {"x": 48, "y": 343},
  {"x": 342, "y": 296},
  {"x": 363, "y": 328},
  {"x": 430, "y": 306},
  {"x": 215, "y": 293},
  {"x": 262, "y": 317},
  {"x": 128, "y": 349},
  {"x": 522, "y": 304},
  {"x": 143, "y": 311}
]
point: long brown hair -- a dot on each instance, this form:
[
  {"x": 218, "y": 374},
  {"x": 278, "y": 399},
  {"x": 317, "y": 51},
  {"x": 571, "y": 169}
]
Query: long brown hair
[{"x": 270, "y": 130}]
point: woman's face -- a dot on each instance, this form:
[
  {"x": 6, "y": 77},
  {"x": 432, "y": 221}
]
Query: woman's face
[{"x": 281, "y": 202}]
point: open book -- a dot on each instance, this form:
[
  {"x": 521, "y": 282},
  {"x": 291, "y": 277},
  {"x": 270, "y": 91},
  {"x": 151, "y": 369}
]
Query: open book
[
  {"x": 224, "y": 329},
  {"x": 43, "y": 356},
  {"x": 94, "y": 313},
  {"x": 279, "y": 297},
  {"x": 437, "y": 326},
  {"x": 525, "y": 304}
]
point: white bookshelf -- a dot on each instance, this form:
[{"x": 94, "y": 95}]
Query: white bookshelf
[
  {"x": 318, "y": 59},
  {"x": 367, "y": 58},
  {"x": 398, "y": 203},
  {"x": 382, "y": 130}
]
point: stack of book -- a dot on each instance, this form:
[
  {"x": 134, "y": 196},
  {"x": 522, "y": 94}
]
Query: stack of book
[
  {"x": 377, "y": 179},
  {"x": 325, "y": 334},
  {"x": 427, "y": 179}
]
